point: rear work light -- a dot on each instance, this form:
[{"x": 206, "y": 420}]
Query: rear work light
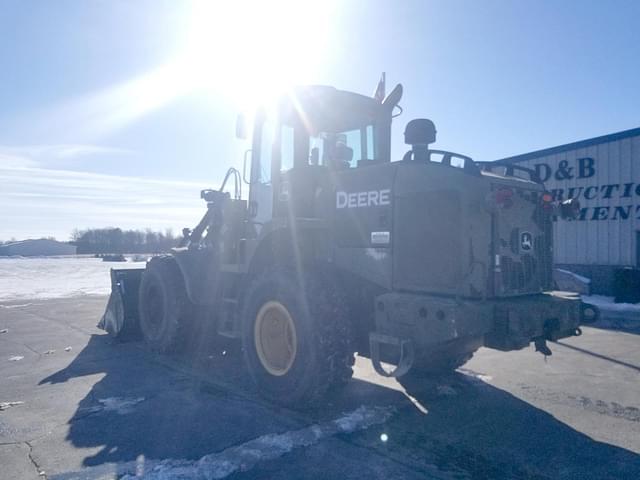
[
  {"x": 504, "y": 197},
  {"x": 569, "y": 209}
]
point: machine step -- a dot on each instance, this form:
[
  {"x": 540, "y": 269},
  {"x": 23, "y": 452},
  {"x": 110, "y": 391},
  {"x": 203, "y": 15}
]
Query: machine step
[{"x": 228, "y": 324}]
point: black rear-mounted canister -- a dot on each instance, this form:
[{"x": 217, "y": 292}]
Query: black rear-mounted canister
[{"x": 589, "y": 313}]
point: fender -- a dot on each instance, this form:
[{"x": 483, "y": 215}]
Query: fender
[{"x": 302, "y": 242}]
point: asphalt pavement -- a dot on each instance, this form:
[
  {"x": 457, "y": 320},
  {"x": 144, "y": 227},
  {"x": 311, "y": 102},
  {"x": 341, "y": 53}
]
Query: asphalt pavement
[{"x": 74, "y": 404}]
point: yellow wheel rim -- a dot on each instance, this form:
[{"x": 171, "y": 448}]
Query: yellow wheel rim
[{"x": 275, "y": 338}]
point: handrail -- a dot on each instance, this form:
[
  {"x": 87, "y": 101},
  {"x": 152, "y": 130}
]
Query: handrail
[
  {"x": 468, "y": 166},
  {"x": 510, "y": 170}
]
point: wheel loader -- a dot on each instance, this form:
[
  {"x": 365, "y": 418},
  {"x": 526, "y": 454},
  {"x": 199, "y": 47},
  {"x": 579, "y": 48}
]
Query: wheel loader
[{"x": 338, "y": 250}]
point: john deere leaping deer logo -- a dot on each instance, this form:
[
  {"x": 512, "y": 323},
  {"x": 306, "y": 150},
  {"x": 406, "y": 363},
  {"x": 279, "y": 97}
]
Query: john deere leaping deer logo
[{"x": 526, "y": 241}]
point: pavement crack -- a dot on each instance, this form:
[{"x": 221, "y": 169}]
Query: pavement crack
[
  {"x": 33, "y": 350},
  {"x": 22, "y": 345},
  {"x": 38, "y": 468},
  {"x": 68, "y": 325}
]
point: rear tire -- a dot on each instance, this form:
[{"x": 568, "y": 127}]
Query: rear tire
[
  {"x": 162, "y": 304},
  {"x": 296, "y": 337}
]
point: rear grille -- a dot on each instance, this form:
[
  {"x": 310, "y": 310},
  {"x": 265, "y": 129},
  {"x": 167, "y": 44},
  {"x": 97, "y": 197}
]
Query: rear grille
[
  {"x": 525, "y": 273},
  {"x": 522, "y": 244}
]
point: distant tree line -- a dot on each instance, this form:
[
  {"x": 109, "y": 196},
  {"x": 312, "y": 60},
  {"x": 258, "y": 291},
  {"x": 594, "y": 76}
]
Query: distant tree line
[{"x": 116, "y": 240}]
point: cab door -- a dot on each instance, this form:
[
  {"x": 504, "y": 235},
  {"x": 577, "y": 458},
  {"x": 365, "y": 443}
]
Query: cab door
[{"x": 261, "y": 187}]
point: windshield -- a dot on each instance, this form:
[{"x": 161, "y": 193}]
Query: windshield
[{"x": 344, "y": 149}]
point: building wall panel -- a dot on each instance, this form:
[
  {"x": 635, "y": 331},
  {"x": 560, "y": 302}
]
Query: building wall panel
[{"x": 599, "y": 171}]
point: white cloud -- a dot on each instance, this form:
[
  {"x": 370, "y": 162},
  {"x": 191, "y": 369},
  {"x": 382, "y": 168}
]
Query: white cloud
[
  {"x": 37, "y": 202},
  {"x": 54, "y": 155},
  {"x": 11, "y": 159}
]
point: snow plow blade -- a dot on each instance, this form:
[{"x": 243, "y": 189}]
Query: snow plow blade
[{"x": 120, "y": 318}]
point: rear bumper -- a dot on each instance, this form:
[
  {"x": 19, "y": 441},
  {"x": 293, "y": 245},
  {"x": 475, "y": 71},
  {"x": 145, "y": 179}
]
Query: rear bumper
[{"x": 504, "y": 324}]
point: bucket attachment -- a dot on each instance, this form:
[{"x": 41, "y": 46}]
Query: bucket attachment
[
  {"x": 120, "y": 319},
  {"x": 405, "y": 348}
]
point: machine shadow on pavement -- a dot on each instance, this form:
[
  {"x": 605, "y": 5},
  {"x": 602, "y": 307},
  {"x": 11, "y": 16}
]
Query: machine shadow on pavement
[
  {"x": 489, "y": 433},
  {"x": 599, "y": 355},
  {"x": 146, "y": 407}
]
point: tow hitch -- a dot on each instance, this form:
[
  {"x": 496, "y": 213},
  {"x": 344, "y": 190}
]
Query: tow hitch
[
  {"x": 542, "y": 347},
  {"x": 541, "y": 342},
  {"x": 405, "y": 348}
]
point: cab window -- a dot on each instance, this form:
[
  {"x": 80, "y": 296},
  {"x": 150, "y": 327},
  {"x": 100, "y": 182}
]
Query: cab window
[
  {"x": 287, "y": 148},
  {"x": 342, "y": 149},
  {"x": 262, "y": 173}
]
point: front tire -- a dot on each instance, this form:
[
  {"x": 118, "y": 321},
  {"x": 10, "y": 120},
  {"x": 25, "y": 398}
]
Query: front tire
[
  {"x": 296, "y": 337},
  {"x": 162, "y": 304}
]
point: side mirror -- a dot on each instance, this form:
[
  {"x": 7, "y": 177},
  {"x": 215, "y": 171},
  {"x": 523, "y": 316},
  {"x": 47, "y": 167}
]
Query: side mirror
[{"x": 241, "y": 127}]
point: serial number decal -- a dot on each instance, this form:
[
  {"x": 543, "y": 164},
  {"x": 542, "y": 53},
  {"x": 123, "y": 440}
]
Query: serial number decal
[{"x": 371, "y": 198}]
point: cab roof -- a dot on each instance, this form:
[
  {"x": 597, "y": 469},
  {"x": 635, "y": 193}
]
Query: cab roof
[{"x": 324, "y": 108}]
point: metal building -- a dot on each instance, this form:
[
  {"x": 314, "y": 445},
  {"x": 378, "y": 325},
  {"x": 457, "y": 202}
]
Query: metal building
[
  {"x": 37, "y": 247},
  {"x": 604, "y": 174}
]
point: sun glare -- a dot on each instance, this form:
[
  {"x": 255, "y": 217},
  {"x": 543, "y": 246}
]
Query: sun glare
[
  {"x": 241, "y": 52},
  {"x": 249, "y": 49}
]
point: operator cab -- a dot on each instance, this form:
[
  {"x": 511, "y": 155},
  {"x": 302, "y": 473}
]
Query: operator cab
[{"x": 313, "y": 135}]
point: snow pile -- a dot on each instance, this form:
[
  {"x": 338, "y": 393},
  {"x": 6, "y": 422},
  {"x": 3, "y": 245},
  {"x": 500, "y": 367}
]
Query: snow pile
[
  {"x": 607, "y": 304},
  {"x": 617, "y": 316},
  {"x": 571, "y": 282},
  {"x": 267, "y": 447},
  {"x": 38, "y": 278},
  {"x": 574, "y": 275}
]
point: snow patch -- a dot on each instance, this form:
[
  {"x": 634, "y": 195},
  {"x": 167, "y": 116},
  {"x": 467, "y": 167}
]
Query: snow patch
[
  {"x": 16, "y": 358},
  {"x": 5, "y": 405},
  {"x": 575, "y": 275},
  {"x": 608, "y": 304},
  {"x": 362, "y": 418},
  {"x": 480, "y": 376},
  {"x": 571, "y": 282},
  {"x": 40, "y": 278},
  {"x": 244, "y": 457},
  {"x": 16, "y": 306},
  {"x": 122, "y": 406}
]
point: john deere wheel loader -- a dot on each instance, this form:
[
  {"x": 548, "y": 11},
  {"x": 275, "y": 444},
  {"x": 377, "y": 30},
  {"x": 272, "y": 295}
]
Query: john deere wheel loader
[{"x": 337, "y": 250}]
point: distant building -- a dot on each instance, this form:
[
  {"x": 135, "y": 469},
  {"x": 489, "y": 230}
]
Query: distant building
[
  {"x": 603, "y": 173},
  {"x": 43, "y": 246}
]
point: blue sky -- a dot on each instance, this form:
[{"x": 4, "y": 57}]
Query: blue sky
[{"x": 104, "y": 122}]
